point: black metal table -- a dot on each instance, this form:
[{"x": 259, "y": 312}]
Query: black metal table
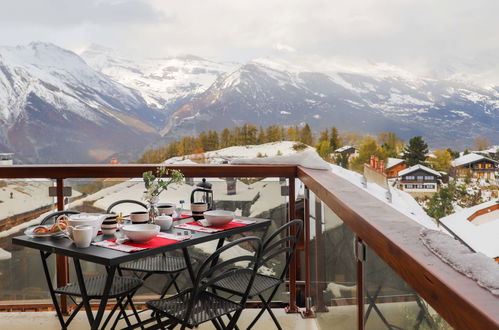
[{"x": 111, "y": 259}]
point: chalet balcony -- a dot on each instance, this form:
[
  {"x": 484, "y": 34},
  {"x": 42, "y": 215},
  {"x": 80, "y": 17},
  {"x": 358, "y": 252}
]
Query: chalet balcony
[{"x": 360, "y": 264}]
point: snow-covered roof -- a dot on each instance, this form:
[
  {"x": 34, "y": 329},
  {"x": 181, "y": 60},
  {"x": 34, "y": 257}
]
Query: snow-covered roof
[
  {"x": 482, "y": 237},
  {"x": 393, "y": 162},
  {"x": 344, "y": 148},
  {"x": 419, "y": 167},
  {"x": 469, "y": 158}
]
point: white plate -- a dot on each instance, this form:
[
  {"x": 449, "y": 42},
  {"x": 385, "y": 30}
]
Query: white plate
[{"x": 29, "y": 232}]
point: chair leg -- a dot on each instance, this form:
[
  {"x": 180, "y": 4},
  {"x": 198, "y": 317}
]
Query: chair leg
[
  {"x": 108, "y": 318},
  {"x": 71, "y": 317},
  {"x": 123, "y": 311},
  {"x": 134, "y": 310},
  {"x": 265, "y": 307},
  {"x": 269, "y": 310}
]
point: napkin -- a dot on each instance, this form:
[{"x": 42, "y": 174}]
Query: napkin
[
  {"x": 213, "y": 229},
  {"x": 161, "y": 239}
]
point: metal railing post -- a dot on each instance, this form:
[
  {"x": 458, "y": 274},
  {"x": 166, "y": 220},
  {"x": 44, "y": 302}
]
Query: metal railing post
[
  {"x": 292, "y": 308},
  {"x": 309, "y": 312},
  {"x": 319, "y": 262},
  {"x": 62, "y": 267},
  {"x": 360, "y": 259}
]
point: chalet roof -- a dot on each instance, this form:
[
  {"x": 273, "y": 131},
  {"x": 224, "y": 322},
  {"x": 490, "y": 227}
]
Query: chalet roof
[
  {"x": 468, "y": 159},
  {"x": 344, "y": 148},
  {"x": 482, "y": 238},
  {"x": 419, "y": 167},
  {"x": 393, "y": 162}
]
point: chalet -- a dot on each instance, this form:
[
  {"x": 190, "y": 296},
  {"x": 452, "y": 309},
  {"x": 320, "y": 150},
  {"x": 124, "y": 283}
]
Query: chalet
[
  {"x": 419, "y": 181},
  {"x": 476, "y": 166},
  {"x": 6, "y": 158},
  {"x": 394, "y": 166},
  {"x": 349, "y": 151},
  {"x": 491, "y": 152}
]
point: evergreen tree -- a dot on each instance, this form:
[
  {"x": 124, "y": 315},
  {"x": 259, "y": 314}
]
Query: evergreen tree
[
  {"x": 334, "y": 139},
  {"x": 306, "y": 136},
  {"x": 454, "y": 154},
  {"x": 415, "y": 152},
  {"x": 440, "y": 204},
  {"x": 342, "y": 160}
]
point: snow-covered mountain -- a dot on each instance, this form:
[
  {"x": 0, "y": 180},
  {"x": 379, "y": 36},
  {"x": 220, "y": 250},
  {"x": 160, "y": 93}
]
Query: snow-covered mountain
[
  {"x": 55, "y": 108},
  {"x": 267, "y": 92},
  {"x": 164, "y": 83}
]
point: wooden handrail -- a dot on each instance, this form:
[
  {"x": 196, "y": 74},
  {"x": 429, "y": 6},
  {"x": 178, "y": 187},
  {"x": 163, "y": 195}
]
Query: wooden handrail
[
  {"x": 395, "y": 239},
  {"x": 136, "y": 170}
]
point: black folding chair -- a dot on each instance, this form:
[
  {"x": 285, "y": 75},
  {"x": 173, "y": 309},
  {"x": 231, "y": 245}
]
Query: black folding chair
[
  {"x": 274, "y": 246},
  {"x": 169, "y": 266},
  {"x": 52, "y": 217},
  {"x": 122, "y": 287},
  {"x": 196, "y": 305}
]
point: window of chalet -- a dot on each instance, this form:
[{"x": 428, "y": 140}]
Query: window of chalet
[
  {"x": 429, "y": 177},
  {"x": 420, "y": 177},
  {"x": 409, "y": 177}
]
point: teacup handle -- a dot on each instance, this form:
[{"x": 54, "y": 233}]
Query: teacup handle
[{"x": 68, "y": 232}]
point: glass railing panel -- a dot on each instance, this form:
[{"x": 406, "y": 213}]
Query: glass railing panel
[
  {"x": 23, "y": 203},
  {"x": 333, "y": 268},
  {"x": 390, "y": 302}
]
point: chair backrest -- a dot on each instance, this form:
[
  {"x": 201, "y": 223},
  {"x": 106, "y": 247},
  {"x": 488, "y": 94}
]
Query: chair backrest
[
  {"x": 282, "y": 242},
  {"x": 125, "y": 201},
  {"x": 213, "y": 269},
  {"x": 54, "y": 215}
]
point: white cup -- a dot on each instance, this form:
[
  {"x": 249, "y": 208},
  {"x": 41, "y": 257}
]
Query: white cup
[
  {"x": 82, "y": 235},
  {"x": 166, "y": 209},
  {"x": 139, "y": 217},
  {"x": 164, "y": 221}
]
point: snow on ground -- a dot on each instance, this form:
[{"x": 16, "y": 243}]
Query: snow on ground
[
  {"x": 252, "y": 151},
  {"x": 482, "y": 237},
  {"x": 27, "y": 195}
]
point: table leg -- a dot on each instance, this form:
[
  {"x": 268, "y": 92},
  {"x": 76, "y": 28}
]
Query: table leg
[
  {"x": 51, "y": 288},
  {"x": 105, "y": 296},
  {"x": 188, "y": 264},
  {"x": 83, "y": 290}
]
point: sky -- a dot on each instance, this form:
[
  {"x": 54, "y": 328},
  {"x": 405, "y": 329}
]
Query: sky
[{"x": 436, "y": 37}]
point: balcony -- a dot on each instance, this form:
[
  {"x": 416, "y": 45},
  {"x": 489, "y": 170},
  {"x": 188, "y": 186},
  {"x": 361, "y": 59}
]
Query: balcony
[{"x": 360, "y": 263}]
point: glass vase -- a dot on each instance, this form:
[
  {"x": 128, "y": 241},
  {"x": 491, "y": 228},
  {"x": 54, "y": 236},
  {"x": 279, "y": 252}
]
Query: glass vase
[{"x": 152, "y": 209}]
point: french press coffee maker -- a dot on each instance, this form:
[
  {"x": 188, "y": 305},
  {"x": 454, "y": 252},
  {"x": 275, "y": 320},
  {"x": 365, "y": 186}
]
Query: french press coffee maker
[{"x": 201, "y": 199}]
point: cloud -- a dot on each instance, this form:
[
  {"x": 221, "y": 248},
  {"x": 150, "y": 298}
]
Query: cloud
[
  {"x": 414, "y": 34},
  {"x": 67, "y": 14},
  {"x": 283, "y": 47}
]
